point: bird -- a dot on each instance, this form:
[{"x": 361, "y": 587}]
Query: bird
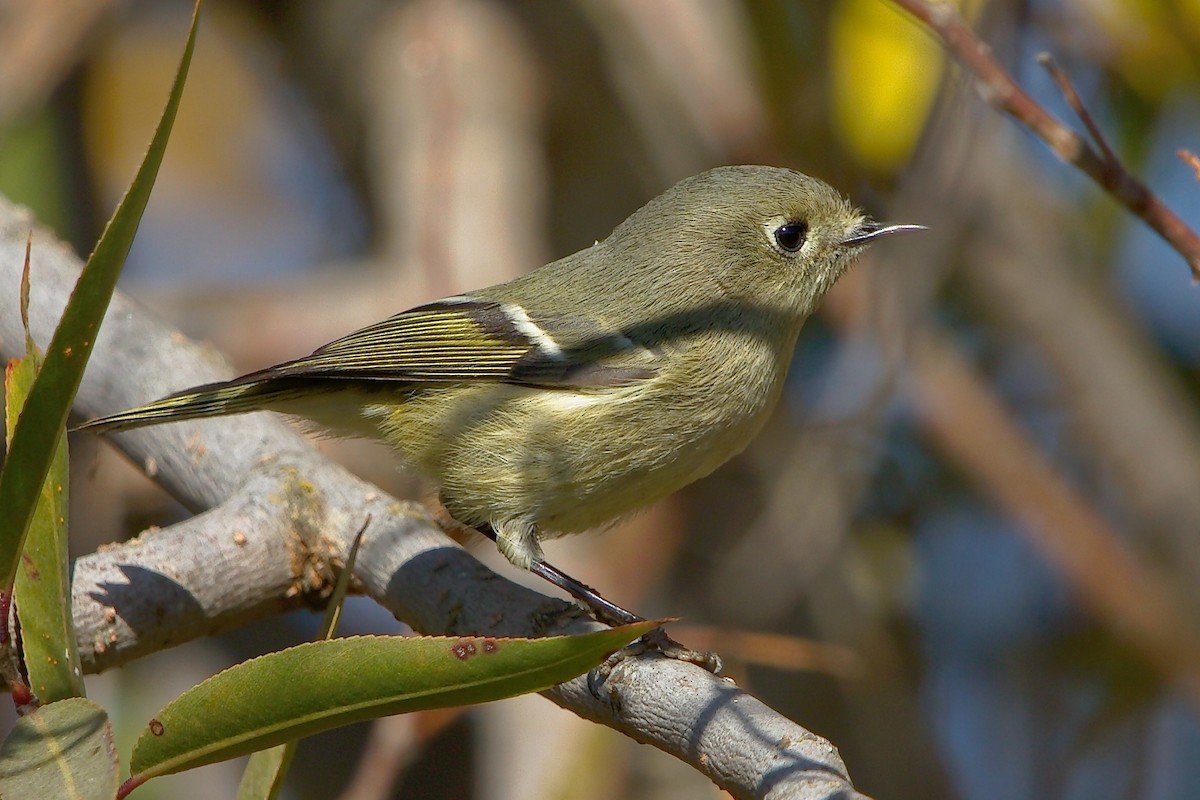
[{"x": 576, "y": 394}]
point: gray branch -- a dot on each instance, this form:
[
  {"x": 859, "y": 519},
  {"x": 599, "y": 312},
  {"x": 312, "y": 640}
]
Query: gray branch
[{"x": 279, "y": 519}]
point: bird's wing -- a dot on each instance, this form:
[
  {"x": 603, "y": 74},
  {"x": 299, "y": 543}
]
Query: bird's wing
[{"x": 469, "y": 339}]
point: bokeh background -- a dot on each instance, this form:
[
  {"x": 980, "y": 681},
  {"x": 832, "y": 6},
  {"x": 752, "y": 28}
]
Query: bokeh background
[{"x": 983, "y": 486}]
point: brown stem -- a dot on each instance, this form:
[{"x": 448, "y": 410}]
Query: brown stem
[
  {"x": 1191, "y": 159},
  {"x": 999, "y": 90},
  {"x": 1073, "y": 100}
]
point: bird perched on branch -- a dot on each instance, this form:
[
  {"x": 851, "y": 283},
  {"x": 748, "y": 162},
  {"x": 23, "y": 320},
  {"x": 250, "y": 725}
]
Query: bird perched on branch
[{"x": 593, "y": 386}]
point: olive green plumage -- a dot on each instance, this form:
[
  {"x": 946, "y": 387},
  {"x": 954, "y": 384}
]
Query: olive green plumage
[{"x": 593, "y": 386}]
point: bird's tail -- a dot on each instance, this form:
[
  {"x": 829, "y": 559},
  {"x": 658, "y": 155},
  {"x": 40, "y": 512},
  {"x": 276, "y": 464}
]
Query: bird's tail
[{"x": 211, "y": 400}]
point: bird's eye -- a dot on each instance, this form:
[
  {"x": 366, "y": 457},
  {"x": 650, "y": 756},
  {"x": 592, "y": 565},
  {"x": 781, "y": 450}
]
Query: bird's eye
[{"x": 790, "y": 236}]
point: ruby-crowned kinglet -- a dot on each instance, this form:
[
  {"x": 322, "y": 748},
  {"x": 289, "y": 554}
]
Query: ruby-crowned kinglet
[{"x": 594, "y": 386}]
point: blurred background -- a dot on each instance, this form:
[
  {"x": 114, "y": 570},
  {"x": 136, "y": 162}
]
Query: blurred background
[{"x": 967, "y": 548}]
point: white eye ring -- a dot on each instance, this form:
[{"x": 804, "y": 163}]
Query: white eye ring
[{"x": 788, "y": 236}]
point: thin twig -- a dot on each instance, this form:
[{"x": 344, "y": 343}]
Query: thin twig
[
  {"x": 997, "y": 87},
  {"x": 1073, "y": 100},
  {"x": 1191, "y": 159}
]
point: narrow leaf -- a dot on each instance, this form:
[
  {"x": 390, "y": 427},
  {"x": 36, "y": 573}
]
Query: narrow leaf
[
  {"x": 264, "y": 774},
  {"x": 43, "y": 589},
  {"x": 29, "y": 345},
  {"x": 321, "y": 685},
  {"x": 62, "y": 750},
  {"x": 50, "y": 398},
  {"x": 333, "y": 613}
]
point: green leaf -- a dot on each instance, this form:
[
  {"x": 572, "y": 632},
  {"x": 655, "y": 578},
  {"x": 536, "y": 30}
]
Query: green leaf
[
  {"x": 263, "y": 776},
  {"x": 321, "y": 685},
  {"x": 62, "y": 750},
  {"x": 43, "y": 585},
  {"x": 333, "y": 613},
  {"x": 50, "y": 399}
]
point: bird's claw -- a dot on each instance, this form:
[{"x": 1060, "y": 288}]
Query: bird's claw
[{"x": 657, "y": 641}]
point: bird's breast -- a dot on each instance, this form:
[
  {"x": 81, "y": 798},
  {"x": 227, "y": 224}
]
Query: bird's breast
[{"x": 568, "y": 460}]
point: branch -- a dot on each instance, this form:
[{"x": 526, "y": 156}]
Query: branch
[
  {"x": 1107, "y": 155},
  {"x": 285, "y": 512},
  {"x": 1191, "y": 159},
  {"x": 999, "y": 90}
]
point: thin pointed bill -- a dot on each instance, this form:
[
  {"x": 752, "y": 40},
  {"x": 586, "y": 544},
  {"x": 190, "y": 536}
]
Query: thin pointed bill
[{"x": 870, "y": 230}]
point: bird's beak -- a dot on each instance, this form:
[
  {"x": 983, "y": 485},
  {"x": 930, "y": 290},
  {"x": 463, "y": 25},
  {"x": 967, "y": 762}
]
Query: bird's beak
[{"x": 869, "y": 230}]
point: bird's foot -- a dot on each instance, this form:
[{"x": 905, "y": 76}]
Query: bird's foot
[{"x": 656, "y": 641}]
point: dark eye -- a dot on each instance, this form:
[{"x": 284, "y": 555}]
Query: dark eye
[{"x": 790, "y": 236}]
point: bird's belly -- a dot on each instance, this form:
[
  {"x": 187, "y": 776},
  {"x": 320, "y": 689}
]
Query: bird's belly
[{"x": 567, "y": 461}]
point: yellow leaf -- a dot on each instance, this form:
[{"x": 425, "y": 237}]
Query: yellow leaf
[{"x": 885, "y": 74}]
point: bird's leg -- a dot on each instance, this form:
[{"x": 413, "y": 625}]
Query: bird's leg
[
  {"x": 604, "y": 610},
  {"x": 610, "y": 613}
]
